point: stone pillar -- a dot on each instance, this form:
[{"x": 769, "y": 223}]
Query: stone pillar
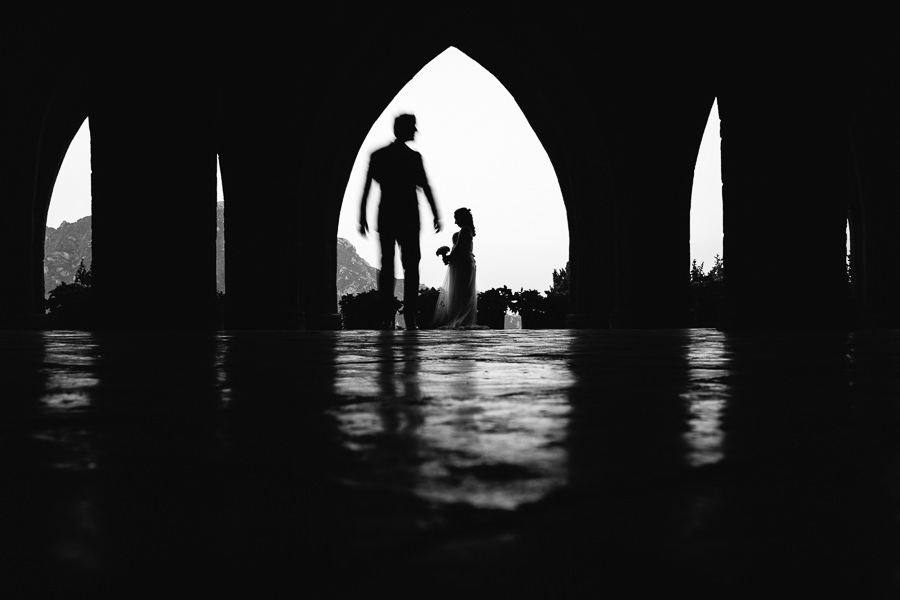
[
  {"x": 260, "y": 158},
  {"x": 64, "y": 115},
  {"x": 654, "y": 149},
  {"x": 153, "y": 181},
  {"x": 262, "y": 253},
  {"x": 325, "y": 183},
  {"x": 785, "y": 196},
  {"x": 875, "y": 130},
  {"x": 31, "y": 66},
  {"x": 17, "y": 159},
  {"x": 590, "y": 211},
  {"x": 22, "y": 105},
  {"x": 320, "y": 288}
]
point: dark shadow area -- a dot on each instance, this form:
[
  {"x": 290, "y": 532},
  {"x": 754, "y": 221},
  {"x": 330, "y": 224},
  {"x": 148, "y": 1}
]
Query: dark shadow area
[{"x": 534, "y": 463}]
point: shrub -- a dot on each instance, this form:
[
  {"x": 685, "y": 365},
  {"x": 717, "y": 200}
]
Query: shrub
[
  {"x": 492, "y": 307},
  {"x": 364, "y": 310},
  {"x": 428, "y": 298},
  {"x": 526, "y": 302},
  {"x": 69, "y": 305},
  {"x": 560, "y": 282},
  {"x": 707, "y": 293},
  {"x": 556, "y": 308},
  {"x": 532, "y": 307},
  {"x": 557, "y": 305}
]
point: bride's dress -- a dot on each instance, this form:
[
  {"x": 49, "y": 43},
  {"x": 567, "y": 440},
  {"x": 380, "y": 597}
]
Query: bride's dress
[{"x": 457, "y": 304}]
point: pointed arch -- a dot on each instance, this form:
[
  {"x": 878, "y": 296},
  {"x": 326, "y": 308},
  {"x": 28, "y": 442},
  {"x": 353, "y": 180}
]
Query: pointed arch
[
  {"x": 66, "y": 115},
  {"x": 68, "y": 212},
  {"x": 481, "y": 152}
]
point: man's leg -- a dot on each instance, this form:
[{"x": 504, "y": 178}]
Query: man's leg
[
  {"x": 386, "y": 278},
  {"x": 410, "y": 255}
]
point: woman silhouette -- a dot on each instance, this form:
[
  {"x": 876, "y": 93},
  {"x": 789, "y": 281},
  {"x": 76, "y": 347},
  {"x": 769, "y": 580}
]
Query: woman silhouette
[{"x": 457, "y": 304}]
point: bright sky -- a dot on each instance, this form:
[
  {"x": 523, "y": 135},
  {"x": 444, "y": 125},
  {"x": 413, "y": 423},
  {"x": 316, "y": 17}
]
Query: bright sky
[
  {"x": 706, "y": 196},
  {"x": 71, "y": 199},
  {"x": 479, "y": 152}
]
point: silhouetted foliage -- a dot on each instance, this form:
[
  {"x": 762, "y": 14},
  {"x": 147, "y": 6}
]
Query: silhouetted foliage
[
  {"x": 560, "y": 282},
  {"x": 526, "y": 302},
  {"x": 69, "y": 304},
  {"x": 220, "y": 308},
  {"x": 707, "y": 293},
  {"x": 540, "y": 311},
  {"x": 716, "y": 273},
  {"x": 428, "y": 298},
  {"x": 547, "y": 311},
  {"x": 492, "y": 307},
  {"x": 557, "y": 305},
  {"x": 849, "y": 270},
  {"x": 84, "y": 276},
  {"x": 364, "y": 310}
]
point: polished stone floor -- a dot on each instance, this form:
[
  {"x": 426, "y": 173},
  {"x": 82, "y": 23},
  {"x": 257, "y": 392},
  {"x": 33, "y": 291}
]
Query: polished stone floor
[{"x": 514, "y": 464}]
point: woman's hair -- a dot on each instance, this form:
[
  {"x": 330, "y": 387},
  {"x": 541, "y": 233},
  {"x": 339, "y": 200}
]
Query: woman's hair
[{"x": 465, "y": 217}]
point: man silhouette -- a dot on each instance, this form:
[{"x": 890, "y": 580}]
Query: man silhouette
[{"x": 399, "y": 171}]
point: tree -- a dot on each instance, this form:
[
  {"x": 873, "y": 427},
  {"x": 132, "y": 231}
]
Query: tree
[
  {"x": 69, "y": 304},
  {"x": 365, "y": 310},
  {"x": 547, "y": 311},
  {"x": 560, "y": 281},
  {"x": 492, "y": 306},
  {"x": 83, "y": 276},
  {"x": 707, "y": 292}
]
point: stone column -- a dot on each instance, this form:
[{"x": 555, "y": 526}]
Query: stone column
[
  {"x": 785, "y": 195},
  {"x": 17, "y": 159},
  {"x": 875, "y": 129},
  {"x": 655, "y": 138},
  {"x": 876, "y": 255},
  {"x": 260, "y": 160},
  {"x": 590, "y": 211},
  {"x": 153, "y": 181}
]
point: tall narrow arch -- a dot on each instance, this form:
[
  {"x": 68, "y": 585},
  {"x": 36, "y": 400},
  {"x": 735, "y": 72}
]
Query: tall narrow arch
[
  {"x": 65, "y": 117},
  {"x": 706, "y": 196},
  {"x": 68, "y": 214}
]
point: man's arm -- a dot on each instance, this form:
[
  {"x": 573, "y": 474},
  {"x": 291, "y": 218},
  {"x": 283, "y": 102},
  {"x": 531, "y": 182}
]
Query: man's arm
[
  {"x": 363, "y": 222},
  {"x": 434, "y": 211},
  {"x": 422, "y": 182}
]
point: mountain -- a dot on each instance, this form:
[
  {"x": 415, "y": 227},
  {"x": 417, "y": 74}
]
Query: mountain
[
  {"x": 64, "y": 248},
  {"x": 67, "y": 245},
  {"x": 354, "y": 274}
]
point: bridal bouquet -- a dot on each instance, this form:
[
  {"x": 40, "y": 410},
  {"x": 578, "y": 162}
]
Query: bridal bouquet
[{"x": 442, "y": 252}]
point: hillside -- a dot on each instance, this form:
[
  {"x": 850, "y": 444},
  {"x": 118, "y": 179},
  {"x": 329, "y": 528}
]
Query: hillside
[
  {"x": 354, "y": 274},
  {"x": 64, "y": 248},
  {"x": 67, "y": 245}
]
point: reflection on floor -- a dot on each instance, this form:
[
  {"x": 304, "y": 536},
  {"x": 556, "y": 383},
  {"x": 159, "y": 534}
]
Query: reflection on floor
[{"x": 448, "y": 464}]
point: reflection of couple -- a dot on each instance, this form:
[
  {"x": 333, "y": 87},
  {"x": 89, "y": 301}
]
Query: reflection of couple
[{"x": 400, "y": 173}]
